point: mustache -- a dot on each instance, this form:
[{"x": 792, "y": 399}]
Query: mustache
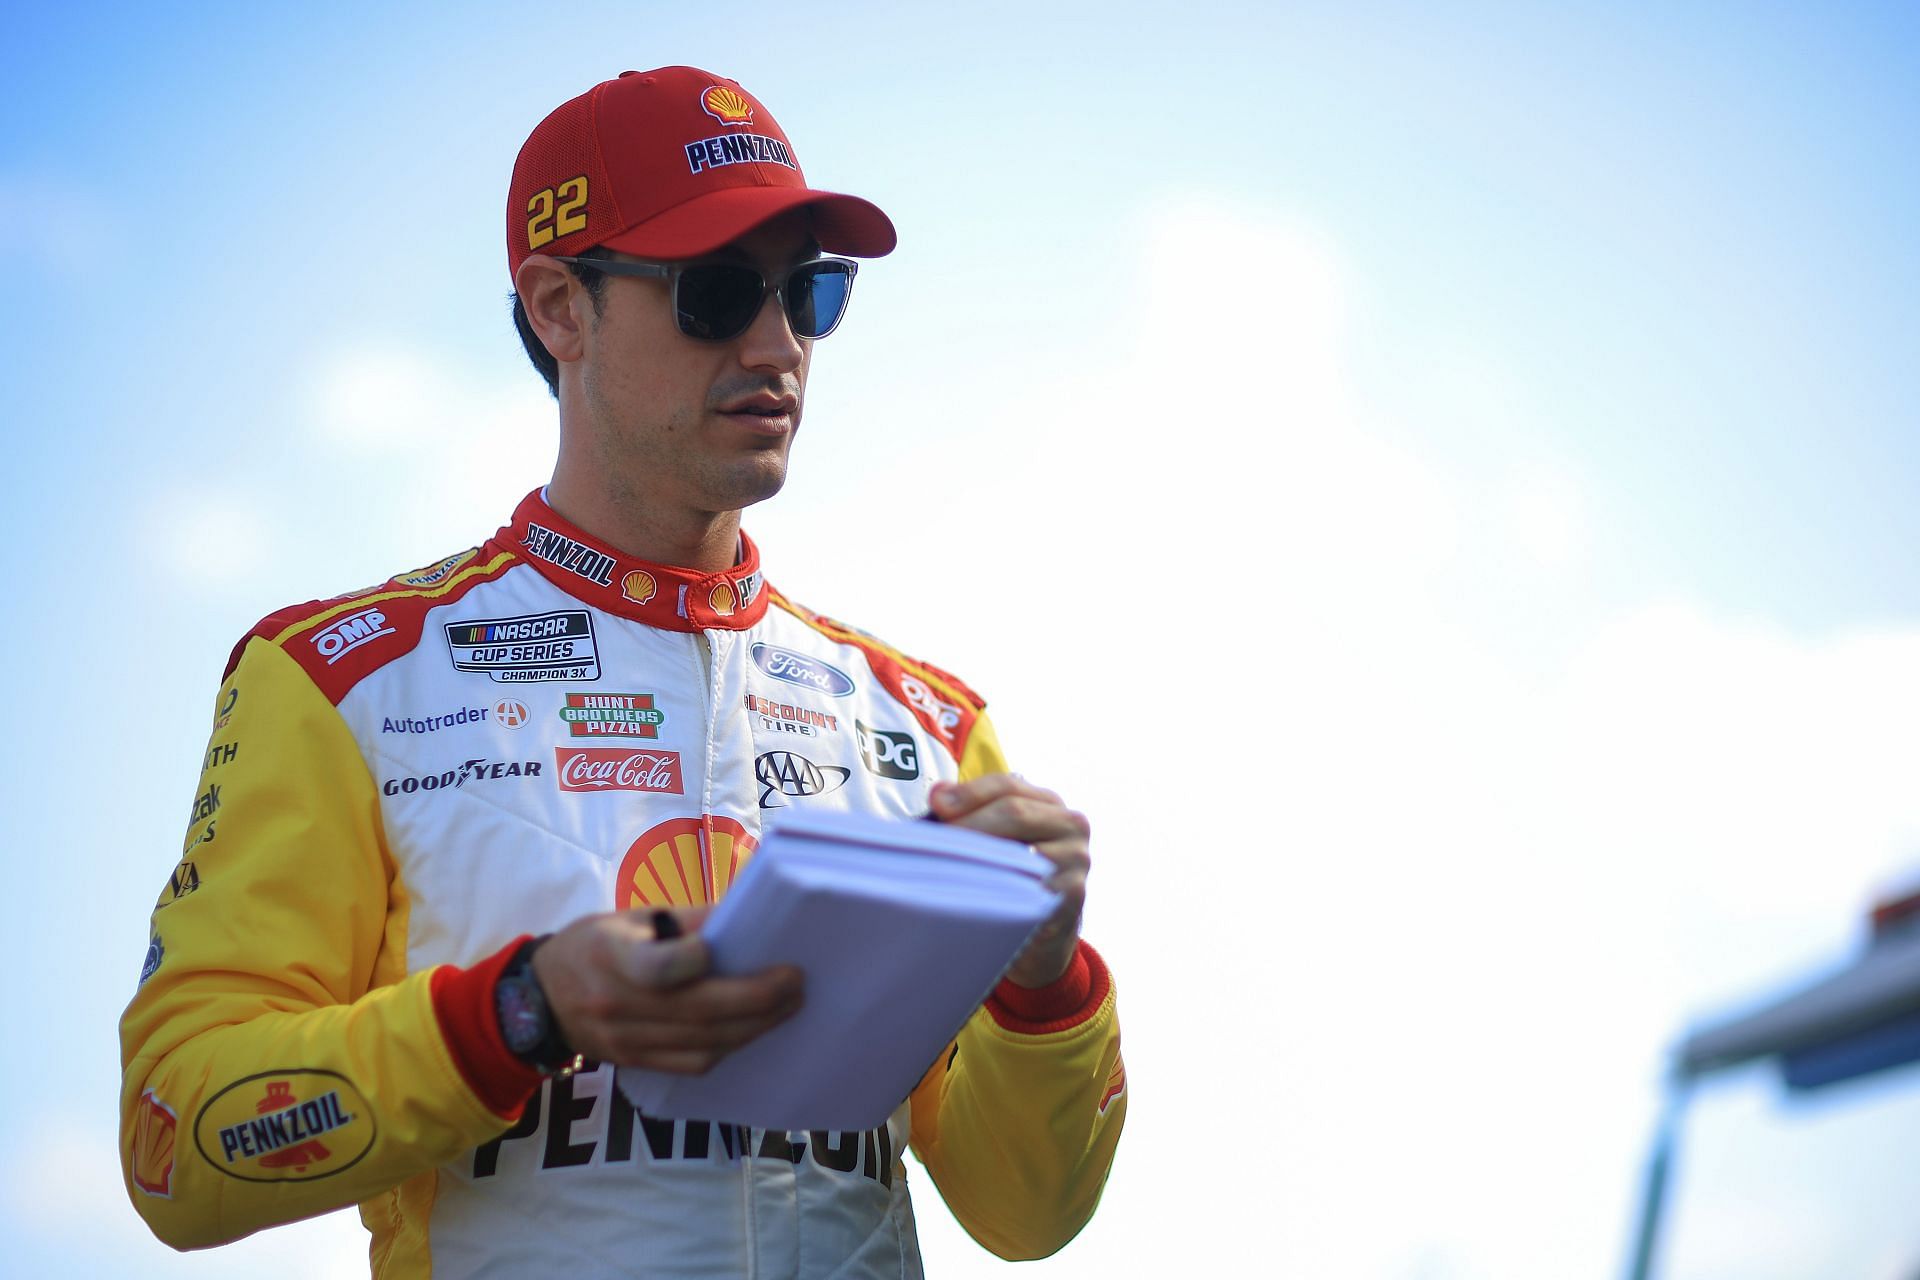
[{"x": 780, "y": 387}]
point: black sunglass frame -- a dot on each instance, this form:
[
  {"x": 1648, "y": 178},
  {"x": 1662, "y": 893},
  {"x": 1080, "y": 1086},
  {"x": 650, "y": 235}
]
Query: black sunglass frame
[{"x": 672, "y": 271}]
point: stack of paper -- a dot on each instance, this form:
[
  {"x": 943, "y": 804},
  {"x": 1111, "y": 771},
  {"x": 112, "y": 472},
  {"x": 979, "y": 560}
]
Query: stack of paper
[{"x": 902, "y": 929}]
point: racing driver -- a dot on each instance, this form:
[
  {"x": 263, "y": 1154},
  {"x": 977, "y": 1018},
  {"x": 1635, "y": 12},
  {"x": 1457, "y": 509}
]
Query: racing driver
[{"x": 448, "y": 856}]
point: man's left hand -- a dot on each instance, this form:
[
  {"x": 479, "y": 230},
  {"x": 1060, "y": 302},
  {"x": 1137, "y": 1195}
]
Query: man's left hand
[{"x": 1011, "y": 807}]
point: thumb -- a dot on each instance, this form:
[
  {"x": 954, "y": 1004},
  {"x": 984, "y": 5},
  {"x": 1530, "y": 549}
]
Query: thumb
[{"x": 651, "y": 963}]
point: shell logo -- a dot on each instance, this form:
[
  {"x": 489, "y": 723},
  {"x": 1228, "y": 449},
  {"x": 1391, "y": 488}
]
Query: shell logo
[
  {"x": 638, "y": 586},
  {"x": 511, "y": 712},
  {"x": 683, "y": 862},
  {"x": 722, "y": 600},
  {"x": 154, "y": 1128},
  {"x": 727, "y": 105}
]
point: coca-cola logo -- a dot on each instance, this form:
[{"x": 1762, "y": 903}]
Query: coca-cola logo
[
  {"x": 798, "y": 668},
  {"x": 596, "y": 769}
]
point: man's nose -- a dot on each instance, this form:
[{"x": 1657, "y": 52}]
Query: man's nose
[{"x": 769, "y": 342}]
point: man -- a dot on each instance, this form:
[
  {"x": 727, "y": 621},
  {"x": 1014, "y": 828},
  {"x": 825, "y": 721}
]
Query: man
[{"x": 451, "y": 829}]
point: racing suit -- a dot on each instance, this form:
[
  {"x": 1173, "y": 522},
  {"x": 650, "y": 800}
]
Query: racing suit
[{"x": 405, "y": 783}]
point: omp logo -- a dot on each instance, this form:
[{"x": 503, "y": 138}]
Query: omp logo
[
  {"x": 727, "y": 105},
  {"x": 943, "y": 714},
  {"x": 338, "y": 639},
  {"x": 292, "y": 1125},
  {"x": 615, "y": 769},
  {"x": 155, "y": 1127},
  {"x": 798, "y": 668},
  {"x": 787, "y": 774},
  {"x": 891, "y": 755}
]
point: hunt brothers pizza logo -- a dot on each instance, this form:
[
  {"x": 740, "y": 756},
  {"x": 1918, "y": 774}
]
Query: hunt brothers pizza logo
[
  {"x": 295, "y": 1125},
  {"x": 612, "y": 715}
]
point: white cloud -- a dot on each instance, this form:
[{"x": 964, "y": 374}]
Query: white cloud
[{"x": 1403, "y": 922}]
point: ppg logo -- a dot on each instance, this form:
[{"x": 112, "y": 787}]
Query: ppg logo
[{"x": 891, "y": 755}]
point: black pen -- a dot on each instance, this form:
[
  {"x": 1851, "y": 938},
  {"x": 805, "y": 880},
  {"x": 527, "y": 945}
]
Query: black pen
[{"x": 665, "y": 926}]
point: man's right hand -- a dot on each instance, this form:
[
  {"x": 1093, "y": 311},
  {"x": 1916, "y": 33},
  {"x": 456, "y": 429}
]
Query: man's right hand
[{"x": 624, "y": 996}]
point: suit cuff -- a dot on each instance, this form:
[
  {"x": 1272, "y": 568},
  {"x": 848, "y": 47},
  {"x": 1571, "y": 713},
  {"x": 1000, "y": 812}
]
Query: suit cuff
[
  {"x": 1062, "y": 1004},
  {"x": 463, "y": 1003}
]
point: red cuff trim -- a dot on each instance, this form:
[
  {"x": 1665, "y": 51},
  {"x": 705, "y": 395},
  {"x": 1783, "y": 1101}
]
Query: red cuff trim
[
  {"x": 463, "y": 1003},
  {"x": 1062, "y": 1005}
]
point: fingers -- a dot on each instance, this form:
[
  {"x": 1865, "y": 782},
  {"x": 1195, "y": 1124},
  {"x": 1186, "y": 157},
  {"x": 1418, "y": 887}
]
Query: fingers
[
  {"x": 622, "y": 995},
  {"x": 1011, "y": 807}
]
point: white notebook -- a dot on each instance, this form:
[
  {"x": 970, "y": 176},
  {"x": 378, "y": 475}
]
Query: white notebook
[{"x": 902, "y": 928}]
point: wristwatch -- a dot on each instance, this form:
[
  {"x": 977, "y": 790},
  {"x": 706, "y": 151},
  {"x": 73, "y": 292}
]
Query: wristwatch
[{"x": 526, "y": 1023}]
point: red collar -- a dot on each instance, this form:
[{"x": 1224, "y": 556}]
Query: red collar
[{"x": 659, "y": 595}]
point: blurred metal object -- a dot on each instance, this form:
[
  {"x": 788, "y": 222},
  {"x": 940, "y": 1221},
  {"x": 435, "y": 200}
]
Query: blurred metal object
[{"x": 1862, "y": 1019}]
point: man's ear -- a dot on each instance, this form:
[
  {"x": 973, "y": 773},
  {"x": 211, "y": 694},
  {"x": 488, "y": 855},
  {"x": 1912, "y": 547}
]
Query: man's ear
[{"x": 556, "y": 305}]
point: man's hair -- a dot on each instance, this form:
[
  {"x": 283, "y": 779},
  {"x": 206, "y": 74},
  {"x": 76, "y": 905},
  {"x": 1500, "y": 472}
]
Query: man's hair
[{"x": 594, "y": 282}]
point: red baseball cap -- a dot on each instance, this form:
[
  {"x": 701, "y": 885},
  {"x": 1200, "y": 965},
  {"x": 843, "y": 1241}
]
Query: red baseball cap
[{"x": 669, "y": 163}]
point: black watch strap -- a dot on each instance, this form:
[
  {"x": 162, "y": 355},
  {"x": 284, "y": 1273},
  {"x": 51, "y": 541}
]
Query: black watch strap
[{"x": 526, "y": 1022}]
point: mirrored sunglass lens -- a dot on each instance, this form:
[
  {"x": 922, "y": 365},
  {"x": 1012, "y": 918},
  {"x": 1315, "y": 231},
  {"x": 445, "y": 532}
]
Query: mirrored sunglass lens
[
  {"x": 817, "y": 297},
  {"x": 718, "y": 300}
]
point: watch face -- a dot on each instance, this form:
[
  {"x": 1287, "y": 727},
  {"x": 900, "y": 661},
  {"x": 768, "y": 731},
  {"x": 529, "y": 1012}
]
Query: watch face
[{"x": 523, "y": 1018}]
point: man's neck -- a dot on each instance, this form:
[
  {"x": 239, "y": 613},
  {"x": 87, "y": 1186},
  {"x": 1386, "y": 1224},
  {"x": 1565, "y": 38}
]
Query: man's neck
[{"x": 699, "y": 540}]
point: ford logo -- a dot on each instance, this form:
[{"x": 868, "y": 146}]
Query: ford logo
[{"x": 798, "y": 668}]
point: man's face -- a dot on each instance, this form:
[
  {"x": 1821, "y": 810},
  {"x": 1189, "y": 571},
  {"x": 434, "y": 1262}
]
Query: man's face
[{"x": 690, "y": 423}]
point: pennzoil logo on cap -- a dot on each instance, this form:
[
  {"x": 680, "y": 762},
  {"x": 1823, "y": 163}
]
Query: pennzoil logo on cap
[{"x": 727, "y": 105}]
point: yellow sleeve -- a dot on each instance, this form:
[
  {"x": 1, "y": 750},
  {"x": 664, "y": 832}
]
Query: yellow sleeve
[
  {"x": 278, "y": 1061},
  {"x": 1018, "y": 1123}
]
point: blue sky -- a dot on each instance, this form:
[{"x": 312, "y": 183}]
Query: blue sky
[{"x": 1403, "y": 465}]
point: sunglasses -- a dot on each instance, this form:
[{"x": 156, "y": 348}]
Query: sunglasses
[{"x": 716, "y": 301}]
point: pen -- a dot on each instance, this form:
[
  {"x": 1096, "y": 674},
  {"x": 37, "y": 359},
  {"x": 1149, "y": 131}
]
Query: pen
[{"x": 665, "y": 926}]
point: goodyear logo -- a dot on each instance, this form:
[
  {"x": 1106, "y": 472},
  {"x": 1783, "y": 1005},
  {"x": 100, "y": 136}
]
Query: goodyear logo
[{"x": 293, "y": 1125}]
